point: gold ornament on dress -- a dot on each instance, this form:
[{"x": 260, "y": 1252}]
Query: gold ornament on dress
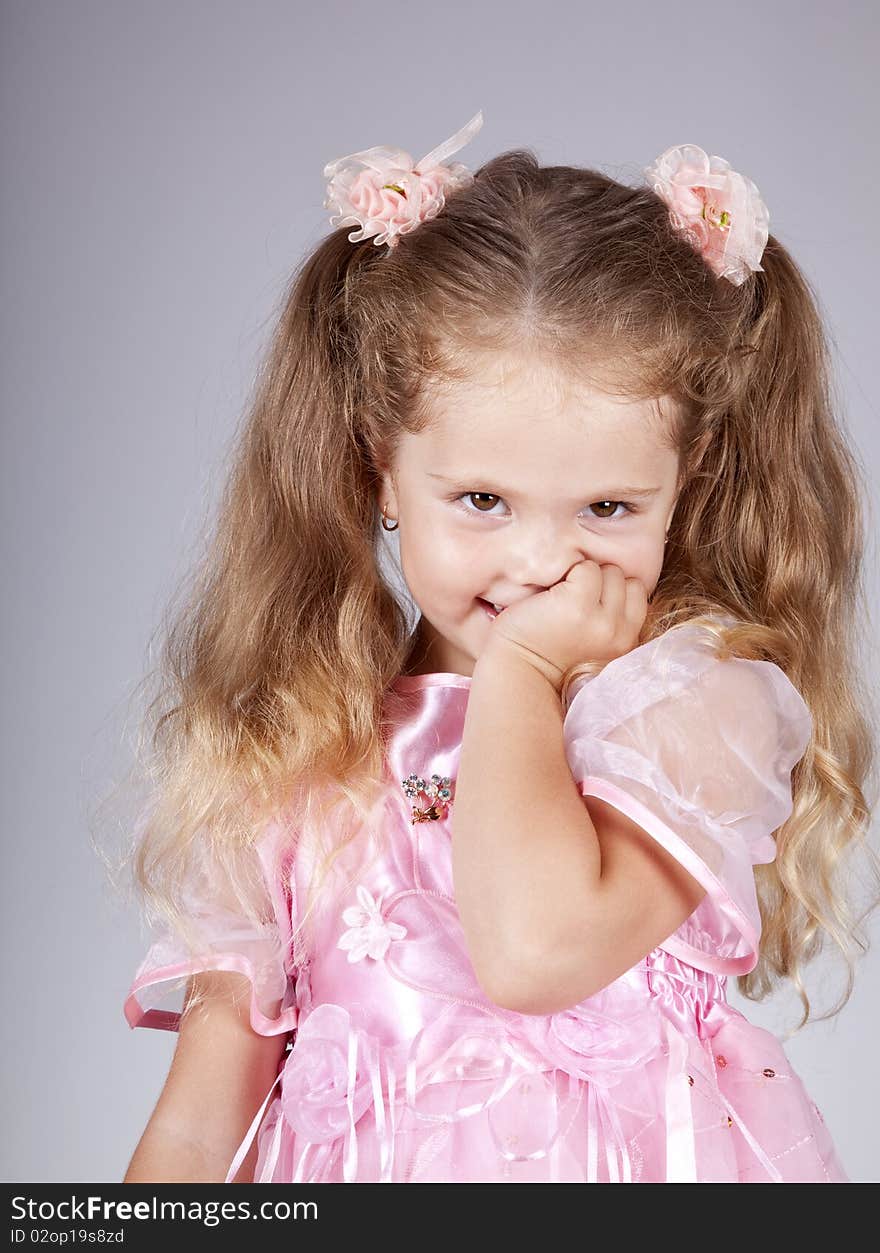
[{"x": 433, "y": 798}]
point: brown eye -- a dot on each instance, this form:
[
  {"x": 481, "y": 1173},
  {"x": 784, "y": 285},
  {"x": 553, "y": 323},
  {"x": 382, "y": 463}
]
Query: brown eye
[
  {"x": 611, "y": 504},
  {"x": 486, "y": 496}
]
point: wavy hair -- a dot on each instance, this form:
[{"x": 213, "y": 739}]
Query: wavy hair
[{"x": 274, "y": 670}]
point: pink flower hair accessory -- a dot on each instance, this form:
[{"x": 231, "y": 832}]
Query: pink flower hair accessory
[
  {"x": 386, "y": 194},
  {"x": 719, "y": 211}
]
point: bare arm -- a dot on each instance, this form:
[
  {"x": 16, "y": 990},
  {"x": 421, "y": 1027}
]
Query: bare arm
[
  {"x": 556, "y": 900},
  {"x": 524, "y": 854},
  {"x": 219, "y": 1077}
]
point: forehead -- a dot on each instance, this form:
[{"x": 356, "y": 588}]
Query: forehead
[{"x": 530, "y": 420}]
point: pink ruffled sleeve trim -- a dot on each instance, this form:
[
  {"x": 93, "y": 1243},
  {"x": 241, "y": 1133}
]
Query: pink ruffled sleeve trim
[
  {"x": 262, "y": 953},
  {"x": 683, "y": 853},
  {"x": 139, "y": 1013}
]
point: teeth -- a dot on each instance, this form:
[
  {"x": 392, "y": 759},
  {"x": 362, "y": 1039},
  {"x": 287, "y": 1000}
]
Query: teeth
[{"x": 498, "y": 608}]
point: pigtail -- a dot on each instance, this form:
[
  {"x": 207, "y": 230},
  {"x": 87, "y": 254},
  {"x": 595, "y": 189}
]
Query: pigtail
[
  {"x": 806, "y": 551},
  {"x": 273, "y": 673},
  {"x": 771, "y": 528}
]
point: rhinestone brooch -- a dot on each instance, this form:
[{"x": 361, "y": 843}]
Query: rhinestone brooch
[{"x": 432, "y": 799}]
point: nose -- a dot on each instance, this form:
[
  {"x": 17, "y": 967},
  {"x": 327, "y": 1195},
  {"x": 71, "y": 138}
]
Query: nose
[{"x": 541, "y": 556}]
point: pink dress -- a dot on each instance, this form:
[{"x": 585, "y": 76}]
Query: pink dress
[{"x": 402, "y": 1070}]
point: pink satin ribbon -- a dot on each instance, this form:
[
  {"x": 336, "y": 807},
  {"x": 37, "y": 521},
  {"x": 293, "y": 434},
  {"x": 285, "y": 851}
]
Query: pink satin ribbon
[
  {"x": 242, "y": 1150},
  {"x": 681, "y": 1164}
]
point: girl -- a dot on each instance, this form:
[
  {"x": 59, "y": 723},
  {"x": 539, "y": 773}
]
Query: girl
[{"x": 490, "y": 879}]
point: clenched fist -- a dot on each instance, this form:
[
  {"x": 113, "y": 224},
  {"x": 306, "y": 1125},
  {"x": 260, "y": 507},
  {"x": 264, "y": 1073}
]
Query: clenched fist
[{"x": 594, "y": 614}]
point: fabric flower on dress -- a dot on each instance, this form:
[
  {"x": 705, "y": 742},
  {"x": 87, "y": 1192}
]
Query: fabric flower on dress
[
  {"x": 603, "y": 1039},
  {"x": 719, "y": 211},
  {"x": 385, "y": 193},
  {"x": 369, "y": 932},
  {"x": 318, "y": 1078}
]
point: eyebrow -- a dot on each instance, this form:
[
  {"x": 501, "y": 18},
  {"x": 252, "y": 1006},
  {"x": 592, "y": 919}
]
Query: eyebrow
[{"x": 617, "y": 493}]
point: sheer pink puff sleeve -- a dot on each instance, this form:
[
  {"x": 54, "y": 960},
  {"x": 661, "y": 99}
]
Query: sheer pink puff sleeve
[
  {"x": 699, "y": 752},
  {"x": 262, "y": 952}
]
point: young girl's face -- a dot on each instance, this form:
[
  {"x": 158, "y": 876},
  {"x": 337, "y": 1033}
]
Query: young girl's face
[{"x": 522, "y": 474}]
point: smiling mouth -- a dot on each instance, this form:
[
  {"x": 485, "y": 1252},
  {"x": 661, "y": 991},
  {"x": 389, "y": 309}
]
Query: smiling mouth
[{"x": 489, "y": 607}]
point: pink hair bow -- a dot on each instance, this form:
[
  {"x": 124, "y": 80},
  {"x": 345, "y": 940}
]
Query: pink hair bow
[
  {"x": 719, "y": 211},
  {"x": 385, "y": 193}
]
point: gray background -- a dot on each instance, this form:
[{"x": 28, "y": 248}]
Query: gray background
[{"x": 162, "y": 173}]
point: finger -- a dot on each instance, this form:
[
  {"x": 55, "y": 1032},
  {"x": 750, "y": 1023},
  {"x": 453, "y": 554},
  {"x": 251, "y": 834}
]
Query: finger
[
  {"x": 588, "y": 574},
  {"x": 613, "y": 593},
  {"x": 580, "y": 568}
]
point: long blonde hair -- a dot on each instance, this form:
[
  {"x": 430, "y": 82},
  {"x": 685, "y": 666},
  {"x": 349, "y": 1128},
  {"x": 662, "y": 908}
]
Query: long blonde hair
[{"x": 271, "y": 685}]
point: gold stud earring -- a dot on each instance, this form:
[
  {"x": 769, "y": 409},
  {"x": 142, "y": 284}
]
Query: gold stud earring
[{"x": 385, "y": 521}]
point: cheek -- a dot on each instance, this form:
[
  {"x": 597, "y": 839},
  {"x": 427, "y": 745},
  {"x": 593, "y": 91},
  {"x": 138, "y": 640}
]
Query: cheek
[
  {"x": 443, "y": 540},
  {"x": 440, "y": 560},
  {"x": 640, "y": 559}
]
